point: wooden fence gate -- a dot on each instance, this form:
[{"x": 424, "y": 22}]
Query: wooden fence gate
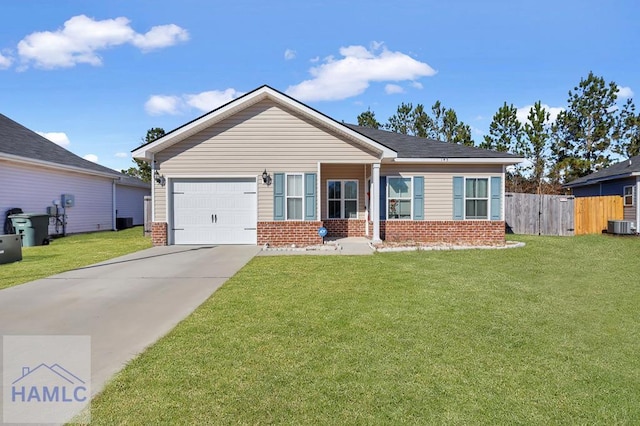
[
  {"x": 593, "y": 213},
  {"x": 539, "y": 214}
]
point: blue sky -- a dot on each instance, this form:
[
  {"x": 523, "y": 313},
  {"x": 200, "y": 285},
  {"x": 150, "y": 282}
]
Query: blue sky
[{"x": 94, "y": 76}]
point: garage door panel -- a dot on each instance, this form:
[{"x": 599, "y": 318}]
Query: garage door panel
[{"x": 215, "y": 211}]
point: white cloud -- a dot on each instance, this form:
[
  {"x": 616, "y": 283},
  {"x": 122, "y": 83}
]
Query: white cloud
[
  {"x": 417, "y": 85},
  {"x": 391, "y": 89},
  {"x": 204, "y": 101},
  {"x": 476, "y": 131},
  {"x": 160, "y": 104},
  {"x": 81, "y": 38},
  {"x": 122, "y": 154},
  {"x": 91, "y": 157},
  {"x": 314, "y": 60},
  {"x": 523, "y": 113},
  {"x": 160, "y": 36},
  {"x": 289, "y": 54},
  {"x": 59, "y": 138},
  {"x": 5, "y": 61},
  {"x": 337, "y": 79},
  {"x": 624, "y": 92}
]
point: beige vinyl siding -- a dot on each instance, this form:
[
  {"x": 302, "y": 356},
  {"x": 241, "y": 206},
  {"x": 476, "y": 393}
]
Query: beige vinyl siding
[
  {"x": 345, "y": 172},
  {"x": 438, "y": 183},
  {"x": 263, "y": 136}
]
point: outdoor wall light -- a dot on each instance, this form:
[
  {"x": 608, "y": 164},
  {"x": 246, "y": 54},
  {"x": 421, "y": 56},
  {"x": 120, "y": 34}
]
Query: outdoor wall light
[
  {"x": 159, "y": 178},
  {"x": 266, "y": 178}
]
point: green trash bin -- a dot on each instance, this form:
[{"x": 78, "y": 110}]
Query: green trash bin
[{"x": 32, "y": 227}]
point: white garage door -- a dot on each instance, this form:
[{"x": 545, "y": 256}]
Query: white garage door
[{"x": 215, "y": 211}]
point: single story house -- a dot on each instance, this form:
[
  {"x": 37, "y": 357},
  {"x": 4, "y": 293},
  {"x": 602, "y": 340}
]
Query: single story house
[
  {"x": 268, "y": 169},
  {"x": 35, "y": 172},
  {"x": 621, "y": 179}
]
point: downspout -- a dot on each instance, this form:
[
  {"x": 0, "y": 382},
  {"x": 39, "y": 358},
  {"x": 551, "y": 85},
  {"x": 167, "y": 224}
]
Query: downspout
[
  {"x": 375, "y": 202},
  {"x": 113, "y": 204},
  {"x": 367, "y": 207},
  {"x": 153, "y": 190},
  {"x": 635, "y": 203},
  {"x": 319, "y": 197}
]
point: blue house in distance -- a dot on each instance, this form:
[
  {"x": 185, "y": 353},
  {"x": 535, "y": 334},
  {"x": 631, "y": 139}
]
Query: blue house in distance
[{"x": 621, "y": 179}]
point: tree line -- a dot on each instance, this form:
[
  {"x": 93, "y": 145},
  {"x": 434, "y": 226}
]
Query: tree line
[{"x": 590, "y": 134}]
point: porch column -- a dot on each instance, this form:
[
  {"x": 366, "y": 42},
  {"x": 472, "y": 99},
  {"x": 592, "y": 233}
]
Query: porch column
[{"x": 375, "y": 201}]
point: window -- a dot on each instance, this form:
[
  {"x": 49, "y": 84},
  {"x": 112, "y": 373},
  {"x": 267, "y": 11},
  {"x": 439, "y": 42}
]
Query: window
[
  {"x": 294, "y": 197},
  {"x": 476, "y": 198},
  {"x": 399, "y": 198},
  {"x": 628, "y": 196},
  {"x": 342, "y": 199}
]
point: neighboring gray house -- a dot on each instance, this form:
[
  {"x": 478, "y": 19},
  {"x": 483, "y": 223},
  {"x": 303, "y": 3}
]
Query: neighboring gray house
[
  {"x": 266, "y": 168},
  {"x": 621, "y": 179},
  {"x": 35, "y": 171}
]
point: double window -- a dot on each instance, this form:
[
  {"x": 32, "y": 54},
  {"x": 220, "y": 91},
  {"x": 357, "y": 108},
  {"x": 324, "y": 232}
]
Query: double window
[
  {"x": 342, "y": 197},
  {"x": 476, "y": 198},
  {"x": 628, "y": 196},
  {"x": 294, "y": 197},
  {"x": 399, "y": 198}
]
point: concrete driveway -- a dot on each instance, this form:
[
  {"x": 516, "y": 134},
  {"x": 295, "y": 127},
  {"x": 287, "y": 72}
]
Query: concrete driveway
[{"x": 124, "y": 304}]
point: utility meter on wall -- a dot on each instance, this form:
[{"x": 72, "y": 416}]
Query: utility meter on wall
[{"x": 67, "y": 200}]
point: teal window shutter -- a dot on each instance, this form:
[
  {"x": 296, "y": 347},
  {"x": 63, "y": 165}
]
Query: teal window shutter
[
  {"x": 418, "y": 198},
  {"x": 278, "y": 196},
  {"x": 383, "y": 198},
  {"x": 310, "y": 196},
  {"x": 458, "y": 198},
  {"x": 496, "y": 197}
]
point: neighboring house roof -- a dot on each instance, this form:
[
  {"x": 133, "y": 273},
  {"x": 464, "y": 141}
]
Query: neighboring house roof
[
  {"x": 21, "y": 144},
  {"x": 390, "y": 146},
  {"x": 623, "y": 169},
  {"x": 412, "y": 147},
  {"x": 127, "y": 180}
]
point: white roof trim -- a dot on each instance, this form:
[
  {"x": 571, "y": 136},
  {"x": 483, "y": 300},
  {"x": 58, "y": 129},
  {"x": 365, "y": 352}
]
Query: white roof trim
[
  {"x": 48, "y": 164},
  {"x": 449, "y": 160},
  {"x": 264, "y": 92}
]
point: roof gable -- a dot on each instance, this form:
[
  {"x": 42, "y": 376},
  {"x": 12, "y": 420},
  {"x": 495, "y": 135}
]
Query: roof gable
[
  {"x": 630, "y": 167},
  {"x": 265, "y": 92},
  {"x": 21, "y": 144}
]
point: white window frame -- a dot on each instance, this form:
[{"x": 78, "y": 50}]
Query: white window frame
[
  {"x": 487, "y": 199},
  {"x": 410, "y": 198},
  {"x": 625, "y": 195},
  {"x": 342, "y": 198},
  {"x": 287, "y": 196}
]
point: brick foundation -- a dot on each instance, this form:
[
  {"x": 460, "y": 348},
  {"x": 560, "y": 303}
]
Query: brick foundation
[
  {"x": 468, "y": 232},
  {"x": 284, "y": 233},
  {"x": 159, "y": 233},
  {"x": 341, "y": 228}
]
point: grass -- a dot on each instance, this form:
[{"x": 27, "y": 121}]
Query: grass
[
  {"x": 545, "y": 334},
  {"x": 69, "y": 253}
]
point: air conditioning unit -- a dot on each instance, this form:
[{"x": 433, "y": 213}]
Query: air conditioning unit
[{"x": 622, "y": 227}]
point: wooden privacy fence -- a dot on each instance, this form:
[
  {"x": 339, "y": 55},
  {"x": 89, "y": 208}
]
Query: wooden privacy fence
[
  {"x": 593, "y": 213},
  {"x": 564, "y": 215},
  {"x": 539, "y": 214}
]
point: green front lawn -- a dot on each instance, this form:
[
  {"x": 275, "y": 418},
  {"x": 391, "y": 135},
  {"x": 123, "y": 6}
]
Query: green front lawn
[
  {"x": 545, "y": 334},
  {"x": 75, "y": 251}
]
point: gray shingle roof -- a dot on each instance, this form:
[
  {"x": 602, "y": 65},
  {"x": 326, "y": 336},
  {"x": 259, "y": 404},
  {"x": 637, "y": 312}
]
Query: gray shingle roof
[
  {"x": 615, "y": 171},
  {"x": 15, "y": 139},
  {"x": 414, "y": 147}
]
